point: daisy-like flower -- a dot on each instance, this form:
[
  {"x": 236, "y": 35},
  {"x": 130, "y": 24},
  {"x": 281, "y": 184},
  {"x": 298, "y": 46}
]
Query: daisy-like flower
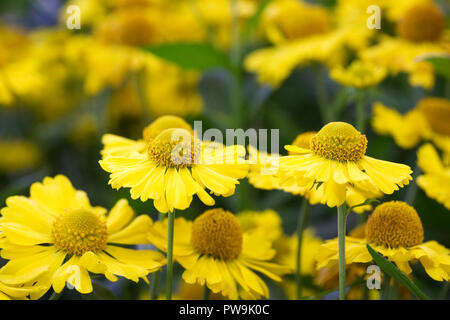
[
  {"x": 358, "y": 74},
  {"x": 428, "y": 120},
  {"x": 395, "y": 231},
  {"x": 336, "y": 162},
  {"x": 57, "y": 229},
  {"x": 264, "y": 175},
  {"x": 421, "y": 30},
  {"x": 435, "y": 180},
  {"x": 170, "y": 165},
  {"x": 216, "y": 252}
]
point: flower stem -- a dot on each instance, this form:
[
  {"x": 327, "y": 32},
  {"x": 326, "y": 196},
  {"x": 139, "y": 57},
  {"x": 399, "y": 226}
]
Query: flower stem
[
  {"x": 342, "y": 217},
  {"x": 154, "y": 285},
  {"x": 235, "y": 59},
  {"x": 321, "y": 93},
  {"x": 360, "y": 112},
  {"x": 56, "y": 295},
  {"x": 412, "y": 188},
  {"x": 205, "y": 292},
  {"x": 302, "y": 217},
  {"x": 386, "y": 287},
  {"x": 169, "y": 279}
]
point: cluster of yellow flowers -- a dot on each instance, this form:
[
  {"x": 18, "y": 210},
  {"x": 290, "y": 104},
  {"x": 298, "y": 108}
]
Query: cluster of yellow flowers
[{"x": 55, "y": 236}]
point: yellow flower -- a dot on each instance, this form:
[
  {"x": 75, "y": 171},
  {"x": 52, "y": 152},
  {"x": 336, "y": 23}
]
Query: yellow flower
[
  {"x": 421, "y": 30},
  {"x": 56, "y": 228},
  {"x": 336, "y": 162},
  {"x": 13, "y": 287},
  {"x": 304, "y": 33},
  {"x": 172, "y": 165},
  {"x": 436, "y": 178},
  {"x": 395, "y": 231},
  {"x": 215, "y": 251},
  {"x": 262, "y": 170},
  {"x": 286, "y": 247},
  {"x": 266, "y": 222},
  {"x": 428, "y": 120},
  {"x": 19, "y": 155},
  {"x": 358, "y": 74}
]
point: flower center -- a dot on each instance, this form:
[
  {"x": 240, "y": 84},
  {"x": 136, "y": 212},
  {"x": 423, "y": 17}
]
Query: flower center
[
  {"x": 78, "y": 231},
  {"x": 303, "y": 140},
  {"x": 394, "y": 224},
  {"x": 437, "y": 113},
  {"x": 299, "y": 21},
  {"x": 162, "y": 123},
  {"x": 217, "y": 233},
  {"x": 133, "y": 26},
  {"x": 423, "y": 22},
  {"x": 174, "y": 148},
  {"x": 339, "y": 141}
]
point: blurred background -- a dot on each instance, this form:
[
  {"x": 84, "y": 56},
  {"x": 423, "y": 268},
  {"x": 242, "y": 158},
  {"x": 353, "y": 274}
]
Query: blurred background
[{"x": 131, "y": 61}]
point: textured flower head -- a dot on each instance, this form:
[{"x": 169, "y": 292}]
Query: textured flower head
[
  {"x": 170, "y": 165},
  {"x": 58, "y": 230},
  {"x": 336, "y": 166},
  {"x": 215, "y": 251},
  {"x": 421, "y": 22},
  {"x": 395, "y": 231}
]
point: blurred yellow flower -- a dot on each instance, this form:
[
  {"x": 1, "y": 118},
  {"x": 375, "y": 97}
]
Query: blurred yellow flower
[
  {"x": 57, "y": 228},
  {"x": 18, "y": 155},
  {"x": 421, "y": 30},
  {"x": 395, "y": 231},
  {"x": 305, "y": 33},
  {"x": 435, "y": 180},
  {"x": 427, "y": 121},
  {"x": 216, "y": 252},
  {"x": 358, "y": 74},
  {"x": 172, "y": 167},
  {"x": 267, "y": 223}
]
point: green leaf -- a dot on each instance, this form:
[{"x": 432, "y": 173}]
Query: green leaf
[
  {"x": 441, "y": 64},
  {"x": 191, "y": 56},
  {"x": 392, "y": 270}
]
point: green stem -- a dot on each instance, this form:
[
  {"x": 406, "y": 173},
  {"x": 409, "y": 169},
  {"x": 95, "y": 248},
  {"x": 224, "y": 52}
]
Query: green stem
[
  {"x": 235, "y": 59},
  {"x": 321, "y": 93},
  {"x": 141, "y": 87},
  {"x": 169, "y": 279},
  {"x": 154, "y": 281},
  {"x": 342, "y": 217},
  {"x": 205, "y": 294},
  {"x": 412, "y": 188},
  {"x": 444, "y": 291},
  {"x": 302, "y": 217},
  {"x": 55, "y": 295},
  {"x": 385, "y": 287},
  {"x": 360, "y": 112}
]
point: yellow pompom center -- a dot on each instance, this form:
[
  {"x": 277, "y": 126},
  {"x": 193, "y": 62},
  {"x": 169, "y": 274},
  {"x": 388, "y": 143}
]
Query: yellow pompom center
[
  {"x": 423, "y": 22},
  {"x": 339, "y": 141},
  {"x": 217, "y": 233},
  {"x": 394, "y": 224},
  {"x": 303, "y": 140},
  {"x": 78, "y": 231},
  {"x": 174, "y": 148},
  {"x": 437, "y": 113},
  {"x": 299, "y": 21}
]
